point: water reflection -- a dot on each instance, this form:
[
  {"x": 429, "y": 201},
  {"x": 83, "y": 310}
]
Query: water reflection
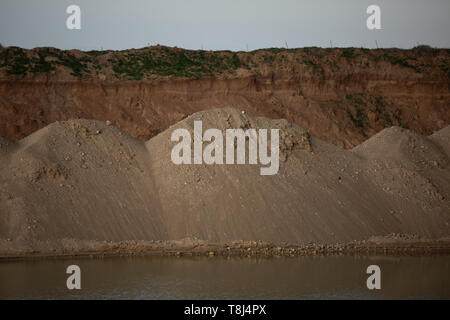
[{"x": 335, "y": 277}]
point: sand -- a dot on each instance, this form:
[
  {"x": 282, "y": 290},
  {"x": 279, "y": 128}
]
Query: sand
[{"x": 85, "y": 186}]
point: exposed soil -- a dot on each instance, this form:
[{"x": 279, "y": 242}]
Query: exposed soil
[
  {"x": 343, "y": 96},
  {"x": 84, "y": 187},
  {"x": 186, "y": 247}
]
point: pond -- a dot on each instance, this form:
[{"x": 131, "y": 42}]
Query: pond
[{"x": 319, "y": 277}]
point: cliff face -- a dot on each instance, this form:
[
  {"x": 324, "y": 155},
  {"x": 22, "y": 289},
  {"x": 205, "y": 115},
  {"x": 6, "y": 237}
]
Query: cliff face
[{"x": 342, "y": 96}]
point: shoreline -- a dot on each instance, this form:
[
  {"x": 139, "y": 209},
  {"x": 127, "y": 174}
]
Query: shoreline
[{"x": 248, "y": 249}]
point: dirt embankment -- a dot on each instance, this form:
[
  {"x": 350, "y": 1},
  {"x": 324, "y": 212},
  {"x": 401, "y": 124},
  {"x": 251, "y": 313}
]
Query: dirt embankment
[
  {"x": 342, "y": 96},
  {"x": 85, "y": 186}
]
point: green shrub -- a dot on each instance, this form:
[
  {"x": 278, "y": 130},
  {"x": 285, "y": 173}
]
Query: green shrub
[
  {"x": 360, "y": 119},
  {"x": 349, "y": 53},
  {"x": 16, "y": 60},
  {"x": 397, "y": 61}
]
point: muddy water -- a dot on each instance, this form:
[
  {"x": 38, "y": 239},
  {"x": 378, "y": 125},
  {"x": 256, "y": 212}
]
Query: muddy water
[{"x": 335, "y": 277}]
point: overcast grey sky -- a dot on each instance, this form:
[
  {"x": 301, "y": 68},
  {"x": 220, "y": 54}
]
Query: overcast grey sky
[{"x": 225, "y": 24}]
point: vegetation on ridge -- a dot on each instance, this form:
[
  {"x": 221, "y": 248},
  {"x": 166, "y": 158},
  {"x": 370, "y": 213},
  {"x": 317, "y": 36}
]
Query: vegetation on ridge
[{"x": 161, "y": 61}]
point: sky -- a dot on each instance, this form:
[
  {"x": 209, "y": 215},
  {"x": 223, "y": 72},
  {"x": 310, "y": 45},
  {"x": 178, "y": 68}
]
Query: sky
[{"x": 224, "y": 25}]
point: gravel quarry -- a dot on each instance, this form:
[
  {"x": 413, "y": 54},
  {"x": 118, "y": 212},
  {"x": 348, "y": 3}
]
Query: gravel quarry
[{"x": 86, "y": 187}]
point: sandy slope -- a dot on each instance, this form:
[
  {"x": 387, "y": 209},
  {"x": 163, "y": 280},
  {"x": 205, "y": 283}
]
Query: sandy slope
[{"x": 82, "y": 180}]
